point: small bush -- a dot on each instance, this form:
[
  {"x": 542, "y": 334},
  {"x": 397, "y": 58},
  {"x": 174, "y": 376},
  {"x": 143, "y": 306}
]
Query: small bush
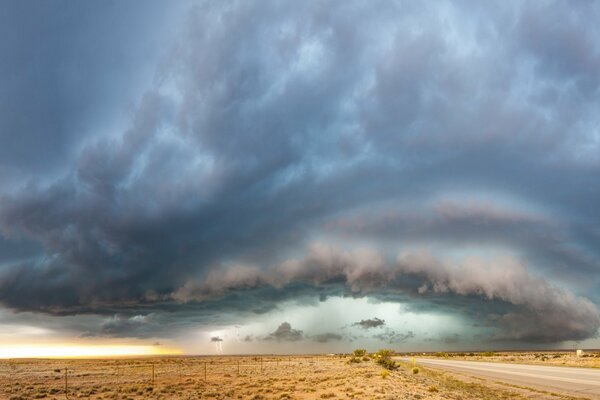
[
  {"x": 415, "y": 370},
  {"x": 388, "y": 363},
  {"x": 384, "y": 353},
  {"x": 384, "y": 373},
  {"x": 488, "y": 354},
  {"x": 365, "y": 358},
  {"x": 432, "y": 389},
  {"x": 353, "y": 360},
  {"x": 384, "y": 358},
  {"x": 359, "y": 353}
]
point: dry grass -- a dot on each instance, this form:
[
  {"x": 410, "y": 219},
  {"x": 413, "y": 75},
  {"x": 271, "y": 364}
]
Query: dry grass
[
  {"x": 556, "y": 358},
  {"x": 279, "y": 378}
]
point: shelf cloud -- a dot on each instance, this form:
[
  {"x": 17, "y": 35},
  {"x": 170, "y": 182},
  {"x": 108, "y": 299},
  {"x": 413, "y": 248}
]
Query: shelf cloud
[{"x": 443, "y": 156}]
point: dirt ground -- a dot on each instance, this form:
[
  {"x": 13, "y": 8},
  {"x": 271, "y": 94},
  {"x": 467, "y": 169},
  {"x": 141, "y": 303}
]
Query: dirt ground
[
  {"x": 590, "y": 359},
  {"x": 295, "y": 377}
]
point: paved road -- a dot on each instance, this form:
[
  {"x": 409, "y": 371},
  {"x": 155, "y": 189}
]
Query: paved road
[{"x": 583, "y": 382}]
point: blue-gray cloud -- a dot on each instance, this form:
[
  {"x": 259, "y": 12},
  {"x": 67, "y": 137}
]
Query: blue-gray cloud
[{"x": 394, "y": 126}]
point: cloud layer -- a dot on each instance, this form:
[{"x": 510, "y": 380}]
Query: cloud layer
[{"x": 453, "y": 150}]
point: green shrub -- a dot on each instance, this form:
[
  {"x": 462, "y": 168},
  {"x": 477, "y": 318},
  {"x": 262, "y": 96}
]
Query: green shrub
[
  {"x": 415, "y": 370},
  {"x": 387, "y": 363},
  {"x": 359, "y": 353},
  {"x": 385, "y": 353}
]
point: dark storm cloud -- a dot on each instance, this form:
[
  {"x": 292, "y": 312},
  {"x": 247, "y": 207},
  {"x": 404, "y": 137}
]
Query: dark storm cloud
[
  {"x": 390, "y": 336},
  {"x": 216, "y": 339},
  {"x": 536, "y": 311},
  {"x": 64, "y": 66},
  {"x": 326, "y": 337},
  {"x": 285, "y": 333},
  {"x": 370, "y": 323},
  {"x": 270, "y": 123}
]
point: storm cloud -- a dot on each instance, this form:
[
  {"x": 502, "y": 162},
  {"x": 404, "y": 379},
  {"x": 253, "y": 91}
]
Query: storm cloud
[
  {"x": 440, "y": 155},
  {"x": 326, "y": 337},
  {"x": 370, "y": 323},
  {"x": 284, "y": 332}
]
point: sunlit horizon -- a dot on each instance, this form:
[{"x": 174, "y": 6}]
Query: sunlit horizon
[{"x": 83, "y": 351}]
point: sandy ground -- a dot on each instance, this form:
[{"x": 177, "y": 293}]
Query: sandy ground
[
  {"x": 296, "y": 377},
  {"x": 590, "y": 359}
]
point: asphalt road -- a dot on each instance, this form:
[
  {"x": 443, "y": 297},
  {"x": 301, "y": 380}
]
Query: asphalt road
[{"x": 583, "y": 382}]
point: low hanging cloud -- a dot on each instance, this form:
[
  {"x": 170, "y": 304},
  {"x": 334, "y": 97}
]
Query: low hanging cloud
[
  {"x": 216, "y": 339},
  {"x": 393, "y": 337},
  {"x": 285, "y": 333},
  {"x": 369, "y": 323},
  {"x": 538, "y": 311},
  {"x": 544, "y": 312},
  {"x": 326, "y": 337}
]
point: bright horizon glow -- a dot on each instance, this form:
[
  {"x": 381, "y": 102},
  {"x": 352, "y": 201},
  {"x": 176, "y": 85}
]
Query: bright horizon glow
[{"x": 79, "y": 351}]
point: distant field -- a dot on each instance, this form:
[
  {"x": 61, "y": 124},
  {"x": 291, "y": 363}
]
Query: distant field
[
  {"x": 590, "y": 359},
  {"x": 295, "y": 377}
]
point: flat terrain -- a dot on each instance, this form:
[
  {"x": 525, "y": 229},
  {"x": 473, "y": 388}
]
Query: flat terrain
[
  {"x": 571, "y": 380},
  {"x": 296, "y": 377},
  {"x": 590, "y": 359}
]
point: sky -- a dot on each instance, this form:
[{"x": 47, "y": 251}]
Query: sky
[{"x": 211, "y": 177}]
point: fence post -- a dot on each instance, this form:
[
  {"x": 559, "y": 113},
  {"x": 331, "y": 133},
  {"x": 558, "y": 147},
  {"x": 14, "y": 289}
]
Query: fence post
[
  {"x": 66, "y": 383},
  {"x": 204, "y": 371},
  {"x": 152, "y": 375}
]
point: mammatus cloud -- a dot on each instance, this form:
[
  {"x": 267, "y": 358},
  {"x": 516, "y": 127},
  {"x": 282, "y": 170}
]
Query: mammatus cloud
[
  {"x": 370, "y": 323},
  {"x": 285, "y": 333}
]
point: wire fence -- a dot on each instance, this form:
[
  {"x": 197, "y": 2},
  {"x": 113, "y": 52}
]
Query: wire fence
[{"x": 55, "y": 378}]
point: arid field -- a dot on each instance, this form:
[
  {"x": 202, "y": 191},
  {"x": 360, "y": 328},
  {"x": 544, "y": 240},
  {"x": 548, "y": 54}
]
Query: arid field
[
  {"x": 273, "y": 377},
  {"x": 589, "y": 359}
]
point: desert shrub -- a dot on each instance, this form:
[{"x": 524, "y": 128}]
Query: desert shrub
[
  {"x": 353, "y": 360},
  {"x": 441, "y": 354},
  {"x": 388, "y": 363},
  {"x": 384, "y": 373},
  {"x": 359, "y": 353},
  {"x": 432, "y": 389},
  {"x": 488, "y": 354},
  {"x": 385, "y": 353},
  {"x": 415, "y": 370},
  {"x": 384, "y": 358}
]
